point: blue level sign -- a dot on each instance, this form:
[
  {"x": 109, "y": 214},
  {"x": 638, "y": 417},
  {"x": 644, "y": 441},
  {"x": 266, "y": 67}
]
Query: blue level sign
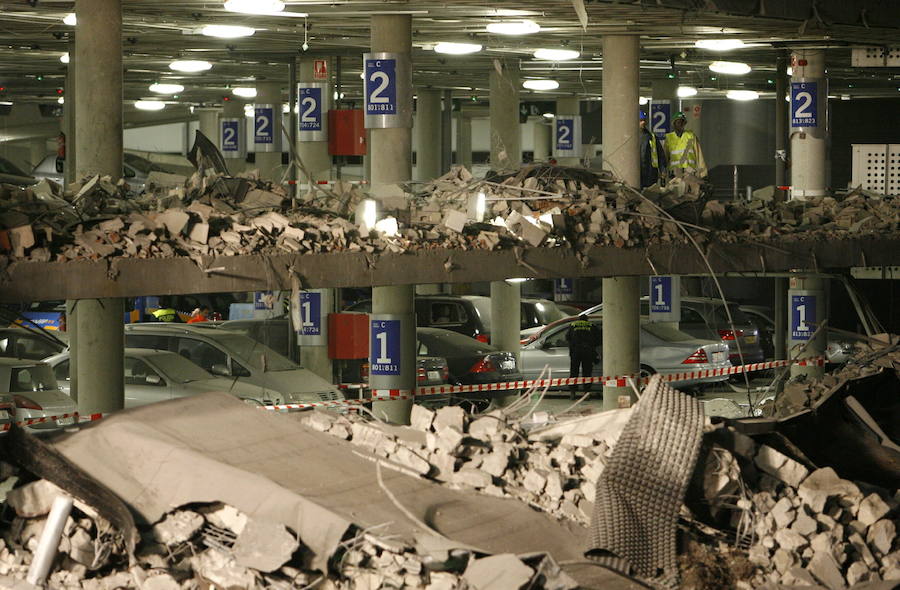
[
  {"x": 231, "y": 136},
  {"x": 804, "y": 104},
  {"x": 264, "y": 125},
  {"x": 803, "y": 316},
  {"x": 384, "y": 347},
  {"x": 310, "y": 313},
  {"x": 310, "y": 109},
  {"x": 565, "y": 133},
  {"x": 660, "y": 294},
  {"x": 660, "y": 118},
  {"x": 381, "y": 86},
  {"x": 563, "y": 287}
]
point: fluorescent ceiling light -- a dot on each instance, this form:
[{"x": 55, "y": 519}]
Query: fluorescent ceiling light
[
  {"x": 190, "y": 65},
  {"x": 686, "y": 91},
  {"x": 227, "y": 31},
  {"x": 845, "y": 97},
  {"x": 164, "y": 88},
  {"x": 64, "y": 58},
  {"x": 457, "y": 48},
  {"x": 556, "y": 54},
  {"x": 70, "y": 19},
  {"x": 790, "y": 71},
  {"x": 643, "y": 100},
  {"x": 742, "y": 94},
  {"x": 516, "y": 280},
  {"x": 729, "y": 67},
  {"x": 149, "y": 105},
  {"x": 523, "y": 27},
  {"x": 244, "y": 91},
  {"x": 255, "y": 6},
  {"x": 540, "y": 84},
  {"x": 549, "y": 116},
  {"x": 719, "y": 44}
]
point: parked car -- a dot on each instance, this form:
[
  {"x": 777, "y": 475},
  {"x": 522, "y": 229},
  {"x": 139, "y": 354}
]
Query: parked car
[
  {"x": 837, "y": 349},
  {"x": 27, "y": 343},
  {"x": 35, "y": 393},
  {"x": 135, "y": 170},
  {"x": 663, "y": 350},
  {"x": 12, "y": 174},
  {"x": 470, "y": 315},
  {"x": 158, "y": 375},
  {"x": 230, "y": 354},
  {"x": 706, "y": 317},
  {"x": 7, "y": 411}
]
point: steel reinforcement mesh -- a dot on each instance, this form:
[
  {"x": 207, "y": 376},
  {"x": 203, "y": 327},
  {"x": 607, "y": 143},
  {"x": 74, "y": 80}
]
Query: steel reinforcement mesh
[{"x": 639, "y": 493}]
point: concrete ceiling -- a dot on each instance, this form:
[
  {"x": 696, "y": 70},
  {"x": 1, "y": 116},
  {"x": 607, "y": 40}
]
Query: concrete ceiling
[{"x": 156, "y": 31}]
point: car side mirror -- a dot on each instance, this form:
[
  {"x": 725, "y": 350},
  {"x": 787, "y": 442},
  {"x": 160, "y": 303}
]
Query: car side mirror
[
  {"x": 220, "y": 370},
  {"x": 153, "y": 379}
]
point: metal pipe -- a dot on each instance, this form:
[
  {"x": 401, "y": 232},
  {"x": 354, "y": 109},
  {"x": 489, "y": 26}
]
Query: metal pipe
[
  {"x": 292, "y": 117},
  {"x": 781, "y": 120},
  {"x": 47, "y": 546}
]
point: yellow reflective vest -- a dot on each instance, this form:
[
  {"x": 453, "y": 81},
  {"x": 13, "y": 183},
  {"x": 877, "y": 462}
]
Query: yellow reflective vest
[{"x": 684, "y": 152}]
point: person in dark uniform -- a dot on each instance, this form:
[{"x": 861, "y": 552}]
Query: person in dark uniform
[{"x": 583, "y": 338}]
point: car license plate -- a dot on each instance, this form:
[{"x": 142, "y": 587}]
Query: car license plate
[
  {"x": 750, "y": 339},
  {"x": 508, "y": 365},
  {"x": 434, "y": 375},
  {"x": 66, "y": 421},
  {"x": 718, "y": 357}
]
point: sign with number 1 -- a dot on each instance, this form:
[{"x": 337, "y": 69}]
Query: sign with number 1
[
  {"x": 803, "y": 316},
  {"x": 384, "y": 347},
  {"x": 310, "y": 313},
  {"x": 665, "y": 299}
]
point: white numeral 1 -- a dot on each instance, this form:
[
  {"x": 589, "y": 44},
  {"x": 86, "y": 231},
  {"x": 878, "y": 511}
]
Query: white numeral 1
[
  {"x": 659, "y": 294},
  {"x": 382, "y": 345},
  {"x": 307, "y": 315},
  {"x": 802, "y": 327}
]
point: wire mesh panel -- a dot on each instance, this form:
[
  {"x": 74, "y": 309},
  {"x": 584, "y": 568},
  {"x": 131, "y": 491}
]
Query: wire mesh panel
[{"x": 876, "y": 167}]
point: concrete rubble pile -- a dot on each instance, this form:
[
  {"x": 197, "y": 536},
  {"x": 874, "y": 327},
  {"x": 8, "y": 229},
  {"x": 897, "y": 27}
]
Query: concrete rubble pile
[
  {"x": 210, "y": 214},
  {"x": 215, "y": 546}
]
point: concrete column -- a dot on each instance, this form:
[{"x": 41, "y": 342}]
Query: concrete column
[
  {"x": 780, "y": 320},
  {"x": 234, "y": 109},
  {"x": 98, "y": 122},
  {"x": 565, "y": 106},
  {"x": 506, "y": 322},
  {"x": 69, "y": 115},
  {"x": 428, "y": 134},
  {"x": 781, "y": 125},
  {"x": 315, "y": 356},
  {"x": 446, "y": 131},
  {"x": 390, "y": 158},
  {"x": 209, "y": 125},
  {"x": 269, "y": 163},
  {"x": 506, "y": 140},
  {"x": 813, "y": 314},
  {"x": 314, "y": 154},
  {"x": 72, "y": 331},
  {"x": 390, "y": 150},
  {"x": 464, "y": 141},
  {"x": 808, "y": 145},
  {"x": 621, "y": 336},
  {"x": 621, "y": 151},
  {"x": 543, "y": 140}
]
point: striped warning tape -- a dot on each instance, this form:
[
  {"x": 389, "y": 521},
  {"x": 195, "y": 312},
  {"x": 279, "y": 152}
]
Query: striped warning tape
[
  {"x": 441, "y": 390},
  {"x": 41, "y": 420}
]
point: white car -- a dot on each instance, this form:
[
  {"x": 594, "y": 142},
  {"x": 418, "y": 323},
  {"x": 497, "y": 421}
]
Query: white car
[
  {"x": 35, "y": 394},
  {"x": 158, "y": 375},
  {"x": 233, "y": 355}
]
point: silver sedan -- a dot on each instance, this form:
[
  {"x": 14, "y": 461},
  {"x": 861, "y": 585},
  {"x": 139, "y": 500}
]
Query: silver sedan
[
  {"x": 664, "y": 350},
  {"x": 157, "y": 375}
]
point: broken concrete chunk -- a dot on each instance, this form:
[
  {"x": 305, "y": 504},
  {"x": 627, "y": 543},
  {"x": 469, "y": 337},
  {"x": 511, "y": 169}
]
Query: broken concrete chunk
[
  {"x": 177, "y": 527},
  {"x": 421, "y": 418},
  {"x": 160, "y": 582},
  {"x": 881, "y": 535},
  {"x": 780, "y": 466},
  {"x": 822, "y": 484},
  {"x": 221, "y": 569},
  {"x": 174, "y": 220},
  {"x": 455, "y": 220},
  {"x": 871, "y": 509},
  {"x": 473, "y": 477},
  {"x": 498, "y": 572},
  {"x": 825, "y": 569},
  {"x": 450, "y": 416},
  {"x": 264, "y": 546}
]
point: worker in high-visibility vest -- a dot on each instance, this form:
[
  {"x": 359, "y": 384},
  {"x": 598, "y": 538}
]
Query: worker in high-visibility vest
[
  {"x": 653, "y": 156},
  {"x": 683, "y": 150}
]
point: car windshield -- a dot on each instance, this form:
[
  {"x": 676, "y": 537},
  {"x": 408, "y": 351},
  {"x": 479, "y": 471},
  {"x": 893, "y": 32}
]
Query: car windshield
[
  {"x": 738, "y": 316},
  {"x": 548, "y": 311},
  {"x": 483, "y": 309},
  {"x": 33, "y": 378},
  {"x": 448, "y": 344},
  {"x": 251, "y": 352},
  {"x": 667, "y": 333},
  {"x": 7, "y": 167},
  {"x": 177, "y": 368}
]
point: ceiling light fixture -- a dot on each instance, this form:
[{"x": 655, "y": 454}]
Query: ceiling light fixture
[
  {"x": 540, "y": 84},
  {"x": 522, "y": 27},
  {"x": 742, "y": 94},
  {"x": 61, "y": 100},
  {"x": 255, "y": 6},
  {"x": 190, "y": 65},
  {"x": 149, "y": 105},
  {"x": 457, "y": 48},
  {"x": 227, "y": 31},
  {"x": 64, "y": 58},
  {"x": 244, "y": 91},
  {"x": 686, "y": 91},
  {"x": 556, "y": 54},
  {"x": 249, "y": 110},
  {"x": 70, "y": 19},
  {"x": 719, "y": 44},
  {"x": 730, "y": 67},
  {"x": 165, "y": 88},
  {"x": 642, "y": 100}
]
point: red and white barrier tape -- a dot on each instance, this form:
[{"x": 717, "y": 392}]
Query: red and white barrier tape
[
  {"x": 441, "y": 390},
  {"x": 40, "y": 420}
]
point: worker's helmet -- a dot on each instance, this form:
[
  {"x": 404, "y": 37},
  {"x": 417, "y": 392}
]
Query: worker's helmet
[
  {"x": 642, "y": 115},
  {"x": 679, "y": 115}
]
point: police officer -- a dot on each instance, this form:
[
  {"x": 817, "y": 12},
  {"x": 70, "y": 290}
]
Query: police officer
[
  {"x": 653, "y": 156},
  {"x": 583, "y": 338}
]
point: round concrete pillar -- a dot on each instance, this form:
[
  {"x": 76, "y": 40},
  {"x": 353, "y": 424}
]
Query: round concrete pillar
[
  {"x": 428, "y": 134},
  {"x": 269, "y": 163},
  {"x": 809, "y": 141},
  {"x": 621, "y": 150},
  {"x": 314, "y": 154},
  {"x": 506, "y": 136}
]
